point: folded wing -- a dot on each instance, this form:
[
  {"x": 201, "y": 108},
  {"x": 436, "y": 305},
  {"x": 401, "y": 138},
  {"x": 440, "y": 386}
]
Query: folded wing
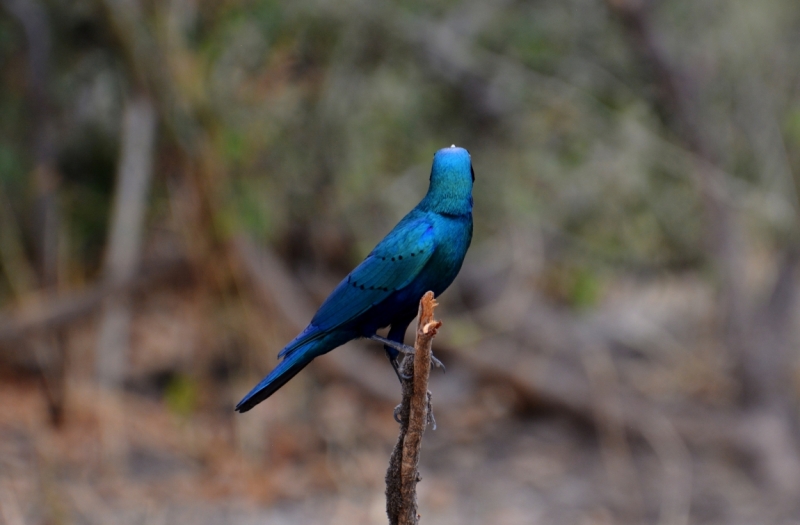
[{"x": 391, "y": 266}]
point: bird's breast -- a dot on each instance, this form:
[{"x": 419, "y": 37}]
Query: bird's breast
[{"x": 453, "y": 237}]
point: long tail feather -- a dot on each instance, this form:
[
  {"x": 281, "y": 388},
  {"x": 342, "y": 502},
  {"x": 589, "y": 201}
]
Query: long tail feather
[{"x": 282, "y": 373}]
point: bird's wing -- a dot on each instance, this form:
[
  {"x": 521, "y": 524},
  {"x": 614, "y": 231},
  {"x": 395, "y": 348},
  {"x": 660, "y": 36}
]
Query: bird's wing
[{"x": 391, "y": 266}]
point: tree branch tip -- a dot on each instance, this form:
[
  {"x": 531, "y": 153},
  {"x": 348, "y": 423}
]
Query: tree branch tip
[
  {"x": 431, "y": 327},
  {"x": 429, "y": 299}
]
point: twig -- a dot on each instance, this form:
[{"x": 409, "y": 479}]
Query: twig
[{"x": 402, "y": 475}]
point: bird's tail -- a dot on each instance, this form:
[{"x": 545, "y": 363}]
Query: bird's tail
[{"x": 286, "y": 369}]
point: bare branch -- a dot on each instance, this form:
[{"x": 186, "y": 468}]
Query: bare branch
[{"x": 402, "y": 475}]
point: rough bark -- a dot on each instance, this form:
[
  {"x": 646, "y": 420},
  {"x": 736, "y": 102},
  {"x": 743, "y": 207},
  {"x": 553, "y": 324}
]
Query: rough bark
[{"x": 414, "y": 414}]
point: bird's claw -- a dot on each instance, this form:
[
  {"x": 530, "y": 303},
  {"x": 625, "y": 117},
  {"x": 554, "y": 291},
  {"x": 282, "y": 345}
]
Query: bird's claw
[
  {"x": 396, "y": 413},
  {"x": 404, "y": 349},
  {"x": 407, "y": 350}
]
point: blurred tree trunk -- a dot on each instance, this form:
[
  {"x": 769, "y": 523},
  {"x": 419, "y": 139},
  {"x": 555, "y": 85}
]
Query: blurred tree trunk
[{"x": 125, "y": 237}]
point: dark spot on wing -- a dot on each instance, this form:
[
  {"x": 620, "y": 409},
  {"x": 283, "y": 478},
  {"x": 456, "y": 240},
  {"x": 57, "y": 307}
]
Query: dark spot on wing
[
  {"x": 362, "y": 286},
  {"x": 400, "y": 257},
  {"x": 392, "y": 259}
]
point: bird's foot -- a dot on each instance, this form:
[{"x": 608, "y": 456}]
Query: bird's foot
[
  {"x": 431, "y": 420},
  {"x": 398, "y": 369},
  {"x": 400, "y": 347},
  {"x": 405, "y": 349}
]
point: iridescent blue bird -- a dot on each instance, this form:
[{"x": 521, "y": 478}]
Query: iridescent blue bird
[{"x": 423, "y": 252}]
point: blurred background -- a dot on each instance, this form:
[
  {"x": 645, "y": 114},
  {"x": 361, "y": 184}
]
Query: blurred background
[{"x": 182, "y": 182}]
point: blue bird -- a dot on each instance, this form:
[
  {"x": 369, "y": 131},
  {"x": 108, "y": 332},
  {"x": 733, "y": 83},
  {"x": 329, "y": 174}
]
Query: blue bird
[{"x": 423, "y": 252}]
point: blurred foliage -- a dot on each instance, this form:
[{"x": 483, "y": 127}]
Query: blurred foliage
[
  {"x": 310, "y": 126},
  {"x": 326, "y": 117},
  {"x": 181, "y": 395}
]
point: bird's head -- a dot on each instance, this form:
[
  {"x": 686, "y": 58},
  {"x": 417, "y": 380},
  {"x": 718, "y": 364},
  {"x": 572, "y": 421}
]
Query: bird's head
[{"x": 450, "y": 191}]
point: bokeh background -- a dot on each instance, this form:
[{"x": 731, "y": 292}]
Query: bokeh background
[{"x": 182, "y": 182}]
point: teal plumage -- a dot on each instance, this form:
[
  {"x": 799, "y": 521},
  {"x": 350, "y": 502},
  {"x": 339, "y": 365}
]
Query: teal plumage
[{"x": 423, "y": 252}]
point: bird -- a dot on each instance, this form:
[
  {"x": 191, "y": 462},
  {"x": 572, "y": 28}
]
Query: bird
[{"x": 423, "y": 252}]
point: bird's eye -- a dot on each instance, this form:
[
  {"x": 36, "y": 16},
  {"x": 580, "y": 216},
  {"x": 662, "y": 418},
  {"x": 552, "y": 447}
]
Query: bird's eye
[{"x": 472, "y": 170}]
